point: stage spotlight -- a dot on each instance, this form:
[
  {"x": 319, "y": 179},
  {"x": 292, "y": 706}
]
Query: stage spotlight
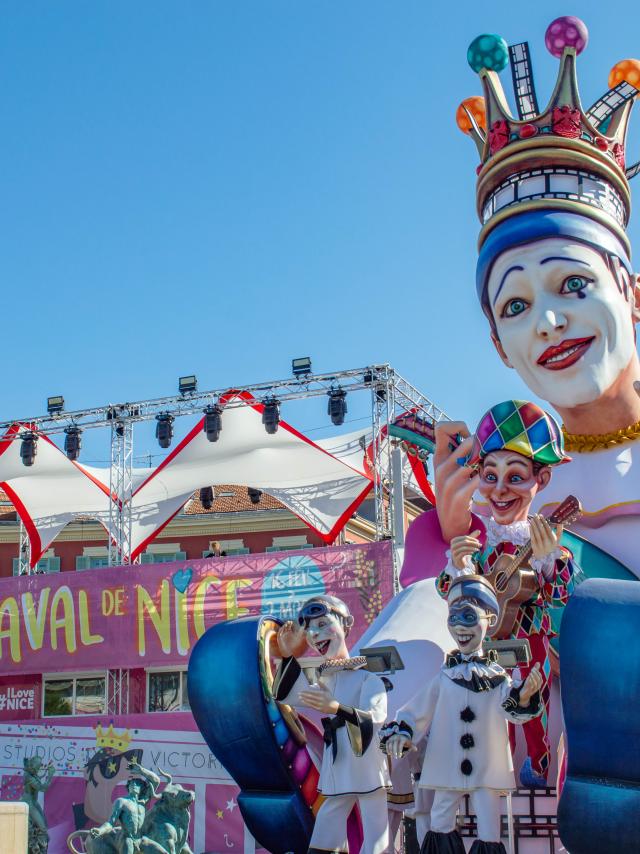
[
  {"x": 187, "y": 384},
  {"x": 164, "y": 429},
  {"x": 254, "y": 494},
  {"x": 213, "y": 422},
  {"x": 55, "y": 404},
  {"x": 207, "y": 496},
  {"x": 337, "y": 405},
  {"x": 301, "y": 367},
  {"x": 28, "y": 448},
  {"x": 271, "y": 415},
  {"x": 72, "y": 442}
]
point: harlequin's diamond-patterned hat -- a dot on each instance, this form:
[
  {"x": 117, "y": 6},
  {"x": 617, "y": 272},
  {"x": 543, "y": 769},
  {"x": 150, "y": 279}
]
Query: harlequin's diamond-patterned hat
[{"x": 522, "y": 427}]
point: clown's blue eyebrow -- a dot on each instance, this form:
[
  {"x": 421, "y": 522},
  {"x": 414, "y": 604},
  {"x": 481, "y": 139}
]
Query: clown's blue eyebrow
[
  {"x": 510, "y": 270},
  {"x": 563, "y": 258}
]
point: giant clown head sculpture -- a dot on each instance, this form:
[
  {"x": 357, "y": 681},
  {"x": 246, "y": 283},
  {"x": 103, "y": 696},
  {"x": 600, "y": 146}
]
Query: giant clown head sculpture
[{"x": 554, "y": 272}]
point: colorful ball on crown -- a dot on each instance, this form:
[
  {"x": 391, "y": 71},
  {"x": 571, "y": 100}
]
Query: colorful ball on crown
[
  {"x": 627, "y": 71},
  {"x": 475, "y": 107},
  {"x": 488, "y": 51},
  {"x": 564, "y": 32}
]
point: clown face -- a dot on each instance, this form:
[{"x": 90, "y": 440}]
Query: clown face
[
  {"x": 562, "y": 320},
  {"x": 509, "y": 485},
  {"x": 326, "y": 636},
  {"x": 468, "y": 623}
]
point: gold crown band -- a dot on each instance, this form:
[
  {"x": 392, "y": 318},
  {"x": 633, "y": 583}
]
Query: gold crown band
[
  {"x": 553, "y": 151},
  {"x": 556, "y": 204}
]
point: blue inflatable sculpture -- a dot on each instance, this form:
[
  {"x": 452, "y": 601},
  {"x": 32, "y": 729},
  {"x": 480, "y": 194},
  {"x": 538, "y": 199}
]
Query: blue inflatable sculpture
[{"x": 600, "y": 660}]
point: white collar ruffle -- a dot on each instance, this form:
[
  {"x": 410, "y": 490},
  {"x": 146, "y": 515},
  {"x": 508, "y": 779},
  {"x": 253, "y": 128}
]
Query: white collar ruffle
[{"x": 517, "y": 533}]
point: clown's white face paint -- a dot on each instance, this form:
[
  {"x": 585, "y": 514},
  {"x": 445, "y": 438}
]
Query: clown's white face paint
[
  {"x": 563, "y": 322},
  {"x": 326, "y": 636}
]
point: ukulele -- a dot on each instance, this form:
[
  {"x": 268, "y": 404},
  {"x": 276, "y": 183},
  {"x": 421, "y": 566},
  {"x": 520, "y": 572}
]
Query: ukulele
[{"x": 514, "y": 582}]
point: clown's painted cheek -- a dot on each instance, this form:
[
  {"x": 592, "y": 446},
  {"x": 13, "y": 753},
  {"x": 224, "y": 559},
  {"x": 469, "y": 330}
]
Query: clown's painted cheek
[{"x": 562, "y": 320}]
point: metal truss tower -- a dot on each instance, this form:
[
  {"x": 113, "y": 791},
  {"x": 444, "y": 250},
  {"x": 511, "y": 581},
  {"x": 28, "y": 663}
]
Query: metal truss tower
[{"x": 121, "y": 488}]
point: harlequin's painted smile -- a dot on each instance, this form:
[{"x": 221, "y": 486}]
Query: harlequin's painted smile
[{"x": 565, "y": 354}]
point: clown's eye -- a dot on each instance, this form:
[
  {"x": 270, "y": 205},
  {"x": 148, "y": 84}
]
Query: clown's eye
[
  {"x": 514, "y": 307},
  {"x": 574, "y": 284},
  {"x": 490, "y": 478},
  {"x": 515, "y": 478}
]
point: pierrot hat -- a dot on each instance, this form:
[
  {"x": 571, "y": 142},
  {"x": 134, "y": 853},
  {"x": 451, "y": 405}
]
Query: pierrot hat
[
  {"x": 473, "y": 587},
  {"x": 522, "y": 427}
]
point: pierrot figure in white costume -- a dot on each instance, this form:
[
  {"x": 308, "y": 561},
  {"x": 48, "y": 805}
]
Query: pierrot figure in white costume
[
  {"x": 354, "y": 701},
  {"x": 465, "y": 709}
]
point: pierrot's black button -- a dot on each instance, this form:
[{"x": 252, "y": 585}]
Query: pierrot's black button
[
  {"x": 467, "y": 715},
  {"x": 466, "y": 741},
  {"x": 466, "y": 767}
]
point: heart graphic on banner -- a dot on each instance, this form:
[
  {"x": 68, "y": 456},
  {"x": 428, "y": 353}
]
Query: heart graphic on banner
[{"x": 182, "y": 579}]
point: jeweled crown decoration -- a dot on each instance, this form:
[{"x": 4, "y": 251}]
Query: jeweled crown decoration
[
  {"x": 110, "y": 738},
  {"x": 563, "y": 157}
]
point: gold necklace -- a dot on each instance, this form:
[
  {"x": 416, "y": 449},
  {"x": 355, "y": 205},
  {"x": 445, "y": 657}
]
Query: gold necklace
[{"x": 585, "y": 442}]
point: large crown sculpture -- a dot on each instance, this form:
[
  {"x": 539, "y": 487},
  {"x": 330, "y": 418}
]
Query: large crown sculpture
[{"x": 561, "y": 158}]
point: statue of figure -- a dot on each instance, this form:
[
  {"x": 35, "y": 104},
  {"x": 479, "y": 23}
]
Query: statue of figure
[
  {"x": 132, "y": 830},
  {"x": 34, "y": 783},
  {"x": 554, "y": 274},
  {"x": 124, "y": 826}
]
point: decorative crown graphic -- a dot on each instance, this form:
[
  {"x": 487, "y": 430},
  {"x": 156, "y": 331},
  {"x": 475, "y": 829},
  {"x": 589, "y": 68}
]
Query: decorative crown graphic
[
  {"x": 560, "y": 158},
  {"x": 110, "y": 738}
]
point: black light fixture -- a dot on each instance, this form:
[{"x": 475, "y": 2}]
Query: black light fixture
[
  {"x": 207, "y": 496},
  {"x": 254, "y": 494},
  {"x": 72, "y": 442},
  {"x": 271, "y": 415},
  {"x": 55, "y": 404},
  {"x": 164, "y": 429},
  {"x": 337, "y": 405},
  {"x": 301, "y": 367},
  {"x": 28, "y": 448},
  {"x": 187, "y": 384},
  {"x": 213, "y": 422},
  {"x": 370, "y": 377}
]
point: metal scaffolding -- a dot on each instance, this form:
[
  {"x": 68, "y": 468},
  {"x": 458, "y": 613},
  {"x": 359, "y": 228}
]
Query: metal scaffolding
[
  {"x": 391, "y": 395},
  {"x": 118, "y": 692},
  {"x": 121, "y": 488}
]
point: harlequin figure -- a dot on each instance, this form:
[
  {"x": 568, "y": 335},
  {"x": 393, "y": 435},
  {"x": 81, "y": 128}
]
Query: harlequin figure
[
  {"x": 355, "y": 704},
  {"x": 514, "y": 448},
  {"x": 465, "y": 708}
]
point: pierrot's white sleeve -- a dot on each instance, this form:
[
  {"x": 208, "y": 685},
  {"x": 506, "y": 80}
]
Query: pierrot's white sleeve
[
  {"x": 373, "y": 698},
  {"x": 418, "y": 712},
  {"x": 509, "y": 698}
]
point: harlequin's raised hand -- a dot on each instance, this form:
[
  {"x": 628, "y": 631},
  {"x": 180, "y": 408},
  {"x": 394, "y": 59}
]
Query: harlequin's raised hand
[
  {"x": 291, "y": 640},
  {"x": 464, "y": 546},
  {"x": 320, "y": 698},
  {"x": 531, "y": 685},
  {"x": 544, "y": 539},
  {"x": 455, "y": 484}
]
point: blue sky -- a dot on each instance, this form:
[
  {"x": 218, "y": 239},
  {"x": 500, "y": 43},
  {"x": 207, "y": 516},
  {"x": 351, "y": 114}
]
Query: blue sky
[{"x": 217, "y": 187}]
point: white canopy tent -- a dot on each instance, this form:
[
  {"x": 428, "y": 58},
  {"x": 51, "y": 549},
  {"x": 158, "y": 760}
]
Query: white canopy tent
[{"x": 321, "y": 482}]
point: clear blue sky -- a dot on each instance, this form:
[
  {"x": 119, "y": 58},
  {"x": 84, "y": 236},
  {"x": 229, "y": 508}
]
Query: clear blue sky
[{"x": 216, "y": 187}]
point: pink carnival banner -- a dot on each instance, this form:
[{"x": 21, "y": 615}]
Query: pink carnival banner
[
  {"x": 152, "y": 615},
  {"x": 90, "y": 761}
]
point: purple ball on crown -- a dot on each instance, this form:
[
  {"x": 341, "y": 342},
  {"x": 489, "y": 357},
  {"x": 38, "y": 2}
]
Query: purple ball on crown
[{"x": 567, "y": 31}]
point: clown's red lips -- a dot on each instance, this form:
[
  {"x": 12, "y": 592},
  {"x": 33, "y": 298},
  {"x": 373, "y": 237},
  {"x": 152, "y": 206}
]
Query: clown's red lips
[{"x": 565, "y": 354}]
